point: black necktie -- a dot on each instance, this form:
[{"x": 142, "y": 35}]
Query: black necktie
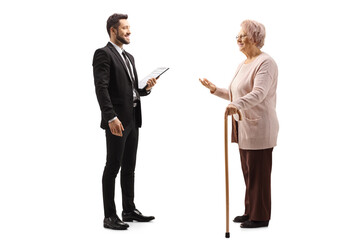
[
  {"x": 128, "y": 66},
  {"x": 127, "y": 62}
]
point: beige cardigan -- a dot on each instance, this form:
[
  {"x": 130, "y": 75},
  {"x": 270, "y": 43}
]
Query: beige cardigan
[{"x": 256, "y": 89}]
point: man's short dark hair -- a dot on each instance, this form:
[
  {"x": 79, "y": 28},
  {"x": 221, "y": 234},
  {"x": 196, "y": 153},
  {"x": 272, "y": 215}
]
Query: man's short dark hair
[{"x": 113, "y": 21}]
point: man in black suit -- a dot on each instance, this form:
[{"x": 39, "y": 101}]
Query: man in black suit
[{"x": 118, "y": 94}]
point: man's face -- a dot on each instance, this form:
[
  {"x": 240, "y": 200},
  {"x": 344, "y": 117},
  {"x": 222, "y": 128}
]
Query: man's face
[{"x": 123, "y": 32}]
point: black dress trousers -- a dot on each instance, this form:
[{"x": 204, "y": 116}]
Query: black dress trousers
[{"x": 121, "y": 153}]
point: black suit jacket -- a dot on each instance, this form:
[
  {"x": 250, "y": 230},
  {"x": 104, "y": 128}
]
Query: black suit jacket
[{"x": 114, "y": 88}]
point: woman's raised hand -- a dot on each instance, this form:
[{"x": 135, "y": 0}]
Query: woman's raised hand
[{"x": 208, "y": 84}]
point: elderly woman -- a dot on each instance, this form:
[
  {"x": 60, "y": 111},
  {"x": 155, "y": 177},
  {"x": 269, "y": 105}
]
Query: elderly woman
[{"x": 252, "y": 93}]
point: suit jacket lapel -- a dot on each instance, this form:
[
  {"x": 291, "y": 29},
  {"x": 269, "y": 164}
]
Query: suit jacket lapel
[
  {"x": 112, "y": 48},
  {"x": 133, "y": 66}
]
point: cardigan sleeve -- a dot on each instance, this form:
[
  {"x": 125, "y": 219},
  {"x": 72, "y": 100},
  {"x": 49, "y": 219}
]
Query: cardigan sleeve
[{"x": 222, "y": 92}]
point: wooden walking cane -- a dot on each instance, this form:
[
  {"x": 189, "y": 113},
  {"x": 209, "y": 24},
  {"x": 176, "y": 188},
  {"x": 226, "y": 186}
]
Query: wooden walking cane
[{"x": 227, "y": 233}]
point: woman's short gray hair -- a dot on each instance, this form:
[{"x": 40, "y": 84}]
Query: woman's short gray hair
[{"x": 255, "y": 31}]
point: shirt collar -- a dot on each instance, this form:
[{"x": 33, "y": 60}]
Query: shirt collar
[{"x": 119, "y": 49}]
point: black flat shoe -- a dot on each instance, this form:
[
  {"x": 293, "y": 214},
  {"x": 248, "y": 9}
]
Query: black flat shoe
[
  {"x": 254, "y": 224},
  {"x": 241, "y": 219},
  {"x": 137, "y": 216},
  {"x": 115, "y": 223}
]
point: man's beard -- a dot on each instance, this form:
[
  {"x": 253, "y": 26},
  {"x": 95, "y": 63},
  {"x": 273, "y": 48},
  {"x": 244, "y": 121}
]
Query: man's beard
[{"x": 121, "y": 39}]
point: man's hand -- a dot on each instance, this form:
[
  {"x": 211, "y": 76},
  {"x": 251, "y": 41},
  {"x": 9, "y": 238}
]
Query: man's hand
[
  {"x": 116, "y": 127},
  {"x": 150, "y": 83}
]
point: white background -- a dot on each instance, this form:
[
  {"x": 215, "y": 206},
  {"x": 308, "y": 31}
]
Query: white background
[{"x": 53, "y": 151}]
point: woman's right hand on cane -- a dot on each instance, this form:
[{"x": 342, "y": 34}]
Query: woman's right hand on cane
[{"x": 208, "y": 84}]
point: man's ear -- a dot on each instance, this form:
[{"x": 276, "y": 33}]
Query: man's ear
[{"x": 113, "y": 30}]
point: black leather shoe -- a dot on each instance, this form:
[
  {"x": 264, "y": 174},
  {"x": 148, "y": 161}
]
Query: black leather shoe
[
  {"x": 254, "y": 224},
  {"x": 137, "y": 216},
  {"x": 241, "y": 219},
  {"x": 115, "y": 223}
]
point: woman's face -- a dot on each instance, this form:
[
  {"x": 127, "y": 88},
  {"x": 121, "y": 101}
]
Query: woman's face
[{"x": 243, "y": 41}]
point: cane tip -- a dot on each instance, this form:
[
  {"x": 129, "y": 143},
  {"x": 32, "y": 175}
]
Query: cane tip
[{"x": 227, "y": 235}]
